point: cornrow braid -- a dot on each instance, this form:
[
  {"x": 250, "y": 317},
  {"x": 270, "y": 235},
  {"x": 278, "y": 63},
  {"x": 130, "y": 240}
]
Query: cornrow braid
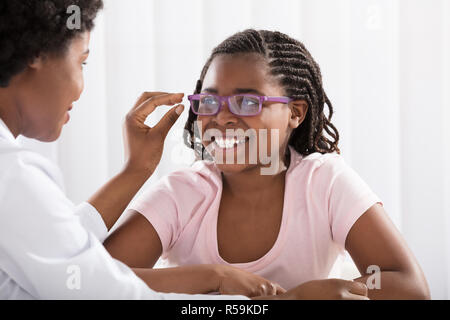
[{"x": 292, "y": 64}]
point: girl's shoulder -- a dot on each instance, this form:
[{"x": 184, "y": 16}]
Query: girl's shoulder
[
  {"x": 201, "y": 175},
  {"x": 316, "y": 163}
]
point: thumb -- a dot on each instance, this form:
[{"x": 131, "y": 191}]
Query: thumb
[
  {"x": 169, "y": 119},
  {"x": 358, "y": 288}
]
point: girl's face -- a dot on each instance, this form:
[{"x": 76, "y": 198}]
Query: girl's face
[
  {"x": 248, "y": 74},
  {"x": 49, "y": 87}
]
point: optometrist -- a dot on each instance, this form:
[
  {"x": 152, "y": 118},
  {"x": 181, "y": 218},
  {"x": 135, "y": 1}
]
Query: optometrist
[{"x": 49, "y": 248}]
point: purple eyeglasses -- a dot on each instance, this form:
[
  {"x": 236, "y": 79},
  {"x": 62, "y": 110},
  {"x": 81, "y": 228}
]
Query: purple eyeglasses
[{"x": 239, "y": 104}]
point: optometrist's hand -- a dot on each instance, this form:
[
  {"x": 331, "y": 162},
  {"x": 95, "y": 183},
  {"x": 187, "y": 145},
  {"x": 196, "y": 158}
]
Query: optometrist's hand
[
  {"x": 237, "y": 281},
  {"x": 144, "y": 145},
  {"x": 327, "y": 289}
]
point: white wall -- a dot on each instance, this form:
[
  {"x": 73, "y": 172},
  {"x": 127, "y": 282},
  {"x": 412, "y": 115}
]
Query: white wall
[
  {"x": 424, "y": 141},
  {"x": 386, "y": 69},
  {"x": 446, "y": 134}
]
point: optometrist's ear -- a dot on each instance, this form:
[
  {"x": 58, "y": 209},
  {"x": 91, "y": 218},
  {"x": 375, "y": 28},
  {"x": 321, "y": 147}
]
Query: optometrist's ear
[
  {"x": 37, "y": 63},
  {"x": 299, "y": 108}
]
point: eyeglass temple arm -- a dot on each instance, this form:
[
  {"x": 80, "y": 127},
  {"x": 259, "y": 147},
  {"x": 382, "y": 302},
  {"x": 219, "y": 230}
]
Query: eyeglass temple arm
[
  {"x": 278, "y": 99},
  {"x": 273, "y": 99}
]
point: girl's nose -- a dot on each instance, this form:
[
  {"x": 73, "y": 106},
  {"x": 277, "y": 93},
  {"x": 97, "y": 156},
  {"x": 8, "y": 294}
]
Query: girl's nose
[{"x": 225, "y": 117}]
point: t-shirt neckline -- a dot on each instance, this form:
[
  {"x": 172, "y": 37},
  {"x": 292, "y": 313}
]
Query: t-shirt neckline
[{"x": 273, "y": 252}]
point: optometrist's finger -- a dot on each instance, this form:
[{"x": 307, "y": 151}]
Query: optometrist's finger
[
  {"x": 145, "y": 96},
  {"x": 148, "y": 106},
  {"x": 264, "y": 289},
  {"x": 168, "y": 120},
  {"x": 271, "y": 289},
  {"x": 275, "y": 288}
]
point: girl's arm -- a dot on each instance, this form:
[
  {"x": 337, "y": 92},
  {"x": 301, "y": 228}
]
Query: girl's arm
[
  {"x": 374, "y": 241},
  {"x": 137, "y": 244}
]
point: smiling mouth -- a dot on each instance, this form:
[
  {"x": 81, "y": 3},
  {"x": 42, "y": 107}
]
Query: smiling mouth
[{"x": 228, "y": 142}]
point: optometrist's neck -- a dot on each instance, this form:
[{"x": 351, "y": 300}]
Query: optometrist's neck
[
  {"x": 9, "y": 113},
  {"x": 251, "y": 183}
]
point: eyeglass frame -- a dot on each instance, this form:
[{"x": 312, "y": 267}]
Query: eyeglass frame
[{"x": 221, "y": 99}]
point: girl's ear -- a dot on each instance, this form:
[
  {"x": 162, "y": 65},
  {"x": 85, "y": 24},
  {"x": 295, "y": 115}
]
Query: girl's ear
[{"x": 299, "y": 109}]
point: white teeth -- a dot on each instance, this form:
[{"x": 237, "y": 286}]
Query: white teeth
[{"x": 227, "y": 142}]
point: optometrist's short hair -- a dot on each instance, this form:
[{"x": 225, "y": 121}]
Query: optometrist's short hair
[{"x": 29, "y": 28}]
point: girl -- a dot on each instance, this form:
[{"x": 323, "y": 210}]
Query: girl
[{"x": 288, "y": 226}]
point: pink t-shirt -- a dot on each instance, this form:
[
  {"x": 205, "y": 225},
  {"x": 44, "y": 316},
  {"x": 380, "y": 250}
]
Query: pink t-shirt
[{"x": 323, "y": 199}]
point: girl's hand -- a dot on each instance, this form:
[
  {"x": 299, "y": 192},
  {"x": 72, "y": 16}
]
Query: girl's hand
[
  {"x": 328, "y": 289},
  {"x": 236, "y": 281},
  {"x": 144, "y": 145}
]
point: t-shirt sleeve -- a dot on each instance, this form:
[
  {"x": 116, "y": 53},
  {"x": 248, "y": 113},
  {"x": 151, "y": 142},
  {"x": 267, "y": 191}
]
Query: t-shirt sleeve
[
  {"x": 344, "y": 195},
  {"x": 170, "y": 204},
  {"x": 159, "y": 208}
]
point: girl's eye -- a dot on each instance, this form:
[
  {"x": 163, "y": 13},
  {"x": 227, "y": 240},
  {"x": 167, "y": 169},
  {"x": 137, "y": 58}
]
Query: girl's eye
[
  {"x": 84, "y": 63},
  {"x": 249, "y": 102},
  {"x": 208, "y": 100}
]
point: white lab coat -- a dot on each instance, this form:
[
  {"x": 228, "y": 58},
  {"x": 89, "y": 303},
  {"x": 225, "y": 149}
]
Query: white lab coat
[{"x": 50, "y": 249}]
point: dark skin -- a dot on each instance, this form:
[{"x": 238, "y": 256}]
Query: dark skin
[
  {"x": 372, "y": 240},
  {"x": 246, "y": 192},
  {"x": 37, "y": 101},
  {"x": 243, "y": 233}
]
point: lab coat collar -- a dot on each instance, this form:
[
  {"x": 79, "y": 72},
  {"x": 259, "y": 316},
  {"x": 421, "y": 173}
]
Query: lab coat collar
[{"x": 6, "y": 133}]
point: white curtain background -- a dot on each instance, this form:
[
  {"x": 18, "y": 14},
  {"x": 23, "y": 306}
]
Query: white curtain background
[{"x": 385, "y": 66}]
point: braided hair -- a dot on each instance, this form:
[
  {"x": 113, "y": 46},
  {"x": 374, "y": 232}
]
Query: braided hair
[{"x": 298, "y": 73}]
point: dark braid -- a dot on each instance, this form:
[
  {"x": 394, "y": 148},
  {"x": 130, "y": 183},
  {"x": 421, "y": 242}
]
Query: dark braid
[{"x": 298, "y": 73}]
